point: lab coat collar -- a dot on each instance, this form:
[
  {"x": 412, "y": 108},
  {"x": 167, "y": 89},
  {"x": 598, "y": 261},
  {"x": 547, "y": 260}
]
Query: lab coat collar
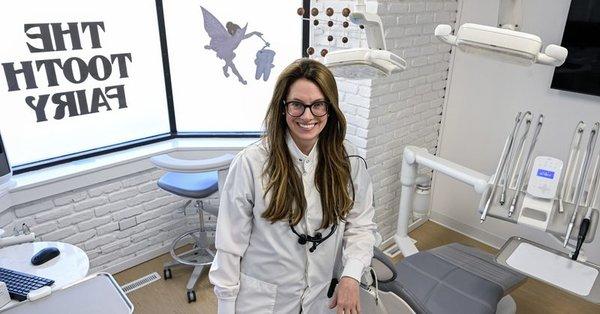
[{"x": 297, "y": 154}]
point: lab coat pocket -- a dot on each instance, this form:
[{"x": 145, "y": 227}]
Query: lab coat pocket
[{"x": 255, "y": 296}]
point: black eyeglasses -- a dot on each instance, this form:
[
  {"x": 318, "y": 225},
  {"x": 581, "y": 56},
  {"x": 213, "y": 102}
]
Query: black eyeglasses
[{"x": 296, "y": 108}]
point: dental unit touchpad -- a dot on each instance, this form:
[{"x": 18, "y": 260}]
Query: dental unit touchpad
[{"x": 538, "y": 203}]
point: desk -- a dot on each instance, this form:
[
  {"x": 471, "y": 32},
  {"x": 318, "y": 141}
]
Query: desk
[{"x": 71, "y": 265}]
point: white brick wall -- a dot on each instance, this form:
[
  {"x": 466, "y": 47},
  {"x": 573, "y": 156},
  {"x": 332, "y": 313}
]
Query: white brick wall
[
  {"x": 113, "y": 222},
  {"x": 384, "y": 115}
]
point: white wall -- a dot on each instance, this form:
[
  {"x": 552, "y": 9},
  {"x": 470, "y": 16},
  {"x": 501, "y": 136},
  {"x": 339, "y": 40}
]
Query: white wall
[{"x": 484, "y": 96}]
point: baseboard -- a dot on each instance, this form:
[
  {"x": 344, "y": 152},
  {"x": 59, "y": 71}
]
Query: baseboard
[
  {"x": 137, "y": 260},
  {"x": 132, "y": 262},
  {"x": 467, "y": 230}
]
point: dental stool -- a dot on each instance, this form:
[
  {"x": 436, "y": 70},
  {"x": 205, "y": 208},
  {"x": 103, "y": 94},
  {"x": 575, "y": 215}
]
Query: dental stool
[
  {"x": 449, "y": 279},
  {"x": 194, "y": 180}
]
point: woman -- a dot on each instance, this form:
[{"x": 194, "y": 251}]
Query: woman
[{"x": 291, "y": 202}]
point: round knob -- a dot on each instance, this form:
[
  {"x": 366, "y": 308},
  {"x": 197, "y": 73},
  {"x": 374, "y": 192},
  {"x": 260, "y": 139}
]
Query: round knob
[
  {"x": 300, "y": 11},
  {"x": 329, "y": 38},
  {"x": 329, "y": 11},
  {"x": 315, "y": 22},
  {"x": 314, "y": 11},
  {"x": 344, "y": 39},
  {"x": 324, "y": 52},
  {"x": 310, "y": 50},
  {"x": 346, "y": 12}
]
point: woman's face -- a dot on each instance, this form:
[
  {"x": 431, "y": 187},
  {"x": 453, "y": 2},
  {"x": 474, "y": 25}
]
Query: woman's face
[{"x": 306, "y": 128}]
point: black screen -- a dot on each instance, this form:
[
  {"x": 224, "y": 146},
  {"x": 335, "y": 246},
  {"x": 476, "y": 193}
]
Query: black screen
[
  {"x": 581, "y": 71},
  {"x": 4, "y": 166}
]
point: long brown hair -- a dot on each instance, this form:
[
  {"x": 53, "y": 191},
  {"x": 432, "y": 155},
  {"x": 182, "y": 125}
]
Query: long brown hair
[{"x": 332, "y": 175}]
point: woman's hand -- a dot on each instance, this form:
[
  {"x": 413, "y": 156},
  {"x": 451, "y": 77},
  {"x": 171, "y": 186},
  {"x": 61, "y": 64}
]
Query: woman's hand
[{"x": 346, "y": 298}]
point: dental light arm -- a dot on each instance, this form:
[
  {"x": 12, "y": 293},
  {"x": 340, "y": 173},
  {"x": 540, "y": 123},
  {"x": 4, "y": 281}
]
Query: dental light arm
[{"x": 510, "y": 14}]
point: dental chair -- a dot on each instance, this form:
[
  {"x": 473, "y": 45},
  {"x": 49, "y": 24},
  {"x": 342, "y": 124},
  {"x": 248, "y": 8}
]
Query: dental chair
[
  {"x": 449, "y": 279},
  {"x": 194, "y": 180},
  {"x": 453, "y": 278}
]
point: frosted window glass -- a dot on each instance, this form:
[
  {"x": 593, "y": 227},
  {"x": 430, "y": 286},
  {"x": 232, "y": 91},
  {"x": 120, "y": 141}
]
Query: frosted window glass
[{"x": 137, "y": 98}]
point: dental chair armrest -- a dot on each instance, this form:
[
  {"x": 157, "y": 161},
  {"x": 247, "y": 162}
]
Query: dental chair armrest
[
  {"x": 383, "y": 266},
  {"x": 173, "y": 164}
]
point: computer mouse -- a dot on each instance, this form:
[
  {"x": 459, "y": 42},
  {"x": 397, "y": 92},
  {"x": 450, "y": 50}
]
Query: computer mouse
[{"x": 44, "y": 255}]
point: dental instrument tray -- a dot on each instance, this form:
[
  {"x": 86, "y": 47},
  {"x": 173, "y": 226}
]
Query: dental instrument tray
[
  {"x": 94, "y": 294},
  {"x": 556, "y": 222},
  {"x": 536, "y": 192},
  {"x": 552, "y": 267}
]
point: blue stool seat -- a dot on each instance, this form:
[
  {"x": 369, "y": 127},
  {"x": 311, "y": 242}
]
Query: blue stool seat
[{"x": 190, "y": 185}]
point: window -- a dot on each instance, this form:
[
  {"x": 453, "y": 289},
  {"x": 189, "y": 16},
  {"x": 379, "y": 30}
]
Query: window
[
  {"x": 81, "y": 78},
  {"x": 67, "y": 87},
  {"x": 209, "y": 98}
]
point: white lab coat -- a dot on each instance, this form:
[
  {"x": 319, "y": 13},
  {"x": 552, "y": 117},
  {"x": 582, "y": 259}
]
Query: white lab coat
[{"x": 260, "y": 267}]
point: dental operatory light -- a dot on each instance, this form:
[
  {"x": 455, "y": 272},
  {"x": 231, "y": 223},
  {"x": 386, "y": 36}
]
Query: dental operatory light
[
  {"x": 505, "y": 42},
  {"x": 365, "y": 63}
]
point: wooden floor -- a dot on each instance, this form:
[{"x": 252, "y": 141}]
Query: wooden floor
[{"x": 168, "y": 296}]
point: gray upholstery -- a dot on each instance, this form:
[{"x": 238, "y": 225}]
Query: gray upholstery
[
  {"x": 191, "y": 185},
  {"x": 481, "y": 264},
  {"x": 452, "y": 279}
]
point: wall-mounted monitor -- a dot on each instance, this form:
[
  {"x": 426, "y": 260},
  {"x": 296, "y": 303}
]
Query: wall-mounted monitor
[{"x": 581, "y": 71}]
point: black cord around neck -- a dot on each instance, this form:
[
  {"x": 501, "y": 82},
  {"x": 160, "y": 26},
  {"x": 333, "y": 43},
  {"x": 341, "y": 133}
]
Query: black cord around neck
[{"x": 316, "y": 240}]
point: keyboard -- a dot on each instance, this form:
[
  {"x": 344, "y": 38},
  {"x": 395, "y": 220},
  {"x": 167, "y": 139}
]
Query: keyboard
[{"x": 19, "y": 284}]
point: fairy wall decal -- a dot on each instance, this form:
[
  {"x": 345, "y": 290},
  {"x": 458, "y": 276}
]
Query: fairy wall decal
[{"x": 224, "y": 40}]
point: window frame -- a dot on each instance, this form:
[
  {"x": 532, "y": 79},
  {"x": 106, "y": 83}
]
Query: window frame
[{"x": 172, "y": 134}]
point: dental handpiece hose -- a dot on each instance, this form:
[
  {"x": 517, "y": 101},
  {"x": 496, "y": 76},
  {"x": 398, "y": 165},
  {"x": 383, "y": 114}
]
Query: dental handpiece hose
[
  {"x": 506, "y": 174},
  {"x": 500, "y": 167},
  {"x": 521, "y": 178},
  {"x": 582, "y": 179},
  {"x": 573, "y": 156},
  {"x": 583, "y": 230},
  {"x": 585, "y": 223}
]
